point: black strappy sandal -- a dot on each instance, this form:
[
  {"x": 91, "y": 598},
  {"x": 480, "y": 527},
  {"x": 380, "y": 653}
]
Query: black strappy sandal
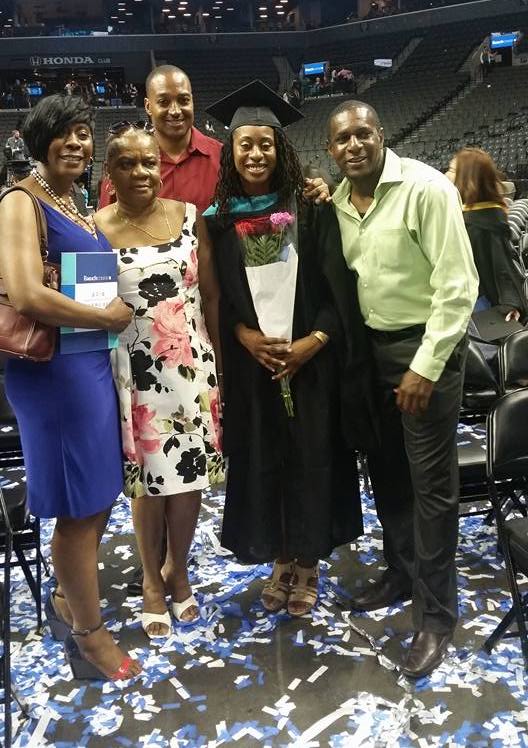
[{"x": 59, "y": 627}]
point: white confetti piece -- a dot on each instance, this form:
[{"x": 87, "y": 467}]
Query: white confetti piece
[
  {"x": 66, "y": 698},
  {"x": 313, "y": 677},
  {"x": 37, "y": 738}
]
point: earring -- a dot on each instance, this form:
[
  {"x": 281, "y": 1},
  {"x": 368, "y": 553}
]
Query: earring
[
  {"x": 90, "y": 162},
  {"x": 111, "y": 188},
  {"x": 161, "y": 182}
]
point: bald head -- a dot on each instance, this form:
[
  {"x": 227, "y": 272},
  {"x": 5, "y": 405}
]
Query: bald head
[{"x": 165, "y": 71}]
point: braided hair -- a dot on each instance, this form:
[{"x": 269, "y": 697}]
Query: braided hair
[{"x": 287, "y": 179}]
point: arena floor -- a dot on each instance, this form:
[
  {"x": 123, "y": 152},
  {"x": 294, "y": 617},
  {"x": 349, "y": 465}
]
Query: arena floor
[{"x": 242, "y": 677}]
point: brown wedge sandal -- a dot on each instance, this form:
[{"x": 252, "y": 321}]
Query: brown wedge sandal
[
  {"x": 303, "y": 593},
  {"x": 277, "y": 588}
]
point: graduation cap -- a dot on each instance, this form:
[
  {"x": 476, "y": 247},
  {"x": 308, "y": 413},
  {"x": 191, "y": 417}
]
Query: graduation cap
[{"x": 254, "y": 104}]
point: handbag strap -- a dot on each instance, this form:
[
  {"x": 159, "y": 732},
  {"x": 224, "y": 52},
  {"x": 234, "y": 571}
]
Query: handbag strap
[{"x": 42, "y": 226}]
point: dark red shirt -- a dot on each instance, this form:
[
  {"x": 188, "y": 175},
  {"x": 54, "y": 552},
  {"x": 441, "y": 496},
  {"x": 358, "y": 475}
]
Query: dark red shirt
[{"x": 192, "y": 179}]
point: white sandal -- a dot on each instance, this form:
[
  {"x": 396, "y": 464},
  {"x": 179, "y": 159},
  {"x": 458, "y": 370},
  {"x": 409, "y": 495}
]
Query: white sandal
[
  {"x": 163, "y": 618},
  {"x": 178, "y": 609}
]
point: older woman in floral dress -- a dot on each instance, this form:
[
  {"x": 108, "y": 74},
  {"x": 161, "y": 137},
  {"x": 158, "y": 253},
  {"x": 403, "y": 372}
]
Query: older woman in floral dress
[{"x": 165, "y": 367}]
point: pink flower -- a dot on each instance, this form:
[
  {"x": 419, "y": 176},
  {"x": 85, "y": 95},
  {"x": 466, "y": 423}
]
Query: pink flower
[
  {"x": 145, "y": 435},
  {"x": 170, "y": 326},
  {"x": 214, "y": 401},
  {"x": 279, "y": 221},
  {"x": 191, "y": 273},
  {"x": 127, "y": 435}
]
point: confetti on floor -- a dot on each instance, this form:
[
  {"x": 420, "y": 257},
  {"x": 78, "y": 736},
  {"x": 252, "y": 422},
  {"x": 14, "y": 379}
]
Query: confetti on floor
[{"x": 243, "y": 677}]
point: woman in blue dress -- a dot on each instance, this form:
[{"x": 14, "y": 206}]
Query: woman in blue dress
[{"x": 66, "y": 409}]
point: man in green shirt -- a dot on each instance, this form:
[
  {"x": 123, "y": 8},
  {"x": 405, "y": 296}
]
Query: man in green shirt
[{"x": 404, "y": 237}]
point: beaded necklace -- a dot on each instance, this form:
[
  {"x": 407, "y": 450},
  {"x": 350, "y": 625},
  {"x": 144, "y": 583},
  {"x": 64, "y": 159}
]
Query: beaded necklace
[
  {"x": 67, "y": 207},
  {"x": 128, "y": 222}
]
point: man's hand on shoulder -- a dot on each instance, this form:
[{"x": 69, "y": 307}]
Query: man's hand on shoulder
[
  {"x": 413, "y": 393},
  {"x": 317, "y": 190}
]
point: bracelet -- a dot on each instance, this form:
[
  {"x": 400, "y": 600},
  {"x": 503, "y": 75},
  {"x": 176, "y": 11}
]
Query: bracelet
[{"x": 322, "y": 337}]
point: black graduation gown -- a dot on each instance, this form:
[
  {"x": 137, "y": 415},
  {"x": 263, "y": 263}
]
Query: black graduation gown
[
  {"x": 499, "y": 280},
  {"x": 292, "y": 483}
]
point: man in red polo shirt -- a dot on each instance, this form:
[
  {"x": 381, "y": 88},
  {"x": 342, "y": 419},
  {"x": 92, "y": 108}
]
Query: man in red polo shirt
[{"x": 189, "y": 159}]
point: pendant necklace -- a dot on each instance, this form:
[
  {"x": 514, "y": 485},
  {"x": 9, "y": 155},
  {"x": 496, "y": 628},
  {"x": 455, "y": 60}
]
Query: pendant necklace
[{"x": 128, "y": 222}]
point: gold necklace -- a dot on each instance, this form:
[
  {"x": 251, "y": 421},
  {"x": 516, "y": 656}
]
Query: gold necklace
[{"x": 128, "y": 222}]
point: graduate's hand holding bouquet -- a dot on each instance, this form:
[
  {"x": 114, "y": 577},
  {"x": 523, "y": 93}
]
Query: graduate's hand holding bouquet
[
  {"x": 297, "y": 354},
  {"x": 267, "y": 351}
]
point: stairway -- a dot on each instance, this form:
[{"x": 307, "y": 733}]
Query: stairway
[{"x": 420, "y": 131}]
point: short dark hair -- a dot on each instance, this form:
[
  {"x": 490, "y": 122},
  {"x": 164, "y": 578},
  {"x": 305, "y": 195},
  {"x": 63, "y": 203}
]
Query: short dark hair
[
  {"x": 350, "y": 106},
  {"x": 50, "y": 119},
  {"x": 164, "y": 70}
]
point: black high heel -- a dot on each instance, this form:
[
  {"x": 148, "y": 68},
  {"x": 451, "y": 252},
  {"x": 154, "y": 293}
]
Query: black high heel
[
  {"x": 58, "y": 626},
  {"x": 83, "y": 669}
]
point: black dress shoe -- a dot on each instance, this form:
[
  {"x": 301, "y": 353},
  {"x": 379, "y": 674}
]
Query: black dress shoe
[
  {"x": 391, "y": 588},
  {"x": 135, "y": 586},
  {"x": 426, "y": 653}
]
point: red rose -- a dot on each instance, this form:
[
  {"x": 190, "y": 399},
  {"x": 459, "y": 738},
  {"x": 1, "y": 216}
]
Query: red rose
[{"x": 253, "y": 226}]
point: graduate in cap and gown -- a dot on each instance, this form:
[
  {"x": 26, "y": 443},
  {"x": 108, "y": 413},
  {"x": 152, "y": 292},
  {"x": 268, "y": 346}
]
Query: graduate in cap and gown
[{"x": 290, "y": 347}]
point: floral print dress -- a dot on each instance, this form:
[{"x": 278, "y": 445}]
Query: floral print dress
[{"x": 165, "y": 371}]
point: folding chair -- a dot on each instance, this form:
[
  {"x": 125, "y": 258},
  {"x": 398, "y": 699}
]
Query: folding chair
[
  {"x": 513, "y": 362},
  {"x": 480, "y": 392},
  {"x": 19, "y": 536},
  {"x": 507, "y": 461}
]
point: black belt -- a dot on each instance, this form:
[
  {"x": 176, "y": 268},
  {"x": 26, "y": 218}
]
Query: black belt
[{"x": 392, "y": 335}]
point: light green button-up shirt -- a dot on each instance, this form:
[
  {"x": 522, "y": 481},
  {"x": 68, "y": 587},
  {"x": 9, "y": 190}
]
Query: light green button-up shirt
[{"x": 412, "y": 254}]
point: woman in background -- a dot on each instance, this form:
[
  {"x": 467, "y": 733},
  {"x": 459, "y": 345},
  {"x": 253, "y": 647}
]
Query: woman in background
[{"x": 474, "y": 173}]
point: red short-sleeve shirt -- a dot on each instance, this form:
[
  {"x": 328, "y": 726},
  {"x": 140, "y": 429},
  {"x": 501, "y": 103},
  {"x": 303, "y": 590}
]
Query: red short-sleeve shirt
[{"x": 191, "y": 180}]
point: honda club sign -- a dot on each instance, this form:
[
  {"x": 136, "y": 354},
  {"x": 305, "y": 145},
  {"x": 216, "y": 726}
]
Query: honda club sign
[{"x": 73, "y": 60}]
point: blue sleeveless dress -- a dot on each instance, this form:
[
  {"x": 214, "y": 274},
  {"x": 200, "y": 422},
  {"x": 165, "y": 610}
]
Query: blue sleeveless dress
[{"x": 67, "y": 412}]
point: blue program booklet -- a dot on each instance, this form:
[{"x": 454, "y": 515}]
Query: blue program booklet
[{"x": 90, "y": 278}]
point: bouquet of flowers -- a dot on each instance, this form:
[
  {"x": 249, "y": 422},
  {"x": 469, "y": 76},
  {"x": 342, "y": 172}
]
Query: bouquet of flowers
[{"x": 271, "y": 263}]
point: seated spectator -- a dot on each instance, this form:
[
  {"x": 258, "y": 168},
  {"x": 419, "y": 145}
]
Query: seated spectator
[
  {"x": 518, "y": 220},
  {"x": 347, "y": 79},
  {"x": 131, "y": 94},
  {"x": 475, "y": 174}
]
